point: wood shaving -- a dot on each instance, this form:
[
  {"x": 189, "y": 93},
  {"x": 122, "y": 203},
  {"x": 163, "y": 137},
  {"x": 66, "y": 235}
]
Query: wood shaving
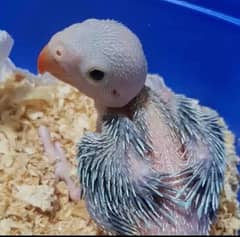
[
  {"x": 32, "y": 201},
  {"x": 228, "y": 217},
  {"x": 37, "y": 195}
]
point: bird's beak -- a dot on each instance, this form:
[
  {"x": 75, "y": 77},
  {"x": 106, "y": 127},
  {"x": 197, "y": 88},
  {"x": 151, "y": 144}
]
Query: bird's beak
[
  {"x": 43, "y": 60},
  {"x": 47, "y": 63}
]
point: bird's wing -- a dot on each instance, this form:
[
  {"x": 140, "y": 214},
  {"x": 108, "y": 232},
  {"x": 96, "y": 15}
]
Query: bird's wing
[
  {"x": 119, "y": 185},
  {"x": 157, "y": 85},
  {"x": 155, "y": 82},
  {"x": 204, "y": 177}
]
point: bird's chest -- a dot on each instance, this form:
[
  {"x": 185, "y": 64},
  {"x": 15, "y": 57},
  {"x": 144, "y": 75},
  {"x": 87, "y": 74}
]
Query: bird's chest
[{"x": 169, "y": 154}]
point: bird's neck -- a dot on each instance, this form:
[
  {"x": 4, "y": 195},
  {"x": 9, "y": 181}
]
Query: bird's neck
[
  {"x": 102, "y": 111},
  {"x": 127, "y": 111}
]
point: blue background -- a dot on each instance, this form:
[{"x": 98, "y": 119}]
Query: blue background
[{"x": 197, "y": 54}]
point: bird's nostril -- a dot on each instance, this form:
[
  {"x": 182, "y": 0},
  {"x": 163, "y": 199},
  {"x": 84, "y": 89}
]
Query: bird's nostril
[{"x": 58, "y": 53}]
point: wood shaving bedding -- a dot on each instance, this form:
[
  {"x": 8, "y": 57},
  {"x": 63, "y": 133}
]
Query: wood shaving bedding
[{"x": 32, "y": 201}]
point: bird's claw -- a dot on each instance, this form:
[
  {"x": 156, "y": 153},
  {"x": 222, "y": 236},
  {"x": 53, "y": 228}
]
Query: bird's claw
[{"x": 56, "y": 156}]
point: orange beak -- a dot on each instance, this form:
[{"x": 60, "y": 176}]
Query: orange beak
[{"x": 47, "y": 63}]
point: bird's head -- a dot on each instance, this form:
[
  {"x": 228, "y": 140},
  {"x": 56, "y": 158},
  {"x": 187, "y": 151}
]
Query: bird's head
[{"x": 101, "y": 58}]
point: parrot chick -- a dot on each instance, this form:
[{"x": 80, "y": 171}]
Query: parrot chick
[{"x": 155, "y": 164}]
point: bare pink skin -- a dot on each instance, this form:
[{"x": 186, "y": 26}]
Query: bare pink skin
[
  {"x": 170, "y": 156},
  {"x": 57, "y": 156}
]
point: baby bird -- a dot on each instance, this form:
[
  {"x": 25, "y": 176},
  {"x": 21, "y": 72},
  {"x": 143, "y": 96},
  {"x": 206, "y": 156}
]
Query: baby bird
[{"x": 156, "y": 163}]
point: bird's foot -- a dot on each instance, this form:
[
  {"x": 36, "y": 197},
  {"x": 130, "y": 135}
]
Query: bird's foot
[{"x": 57, "y": 156}]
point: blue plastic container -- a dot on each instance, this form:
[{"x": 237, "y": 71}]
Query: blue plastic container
[{"x": 194, "y": 45}]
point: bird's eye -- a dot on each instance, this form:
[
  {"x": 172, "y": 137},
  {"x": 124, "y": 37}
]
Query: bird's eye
[{"x": 96, "y": 75}]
